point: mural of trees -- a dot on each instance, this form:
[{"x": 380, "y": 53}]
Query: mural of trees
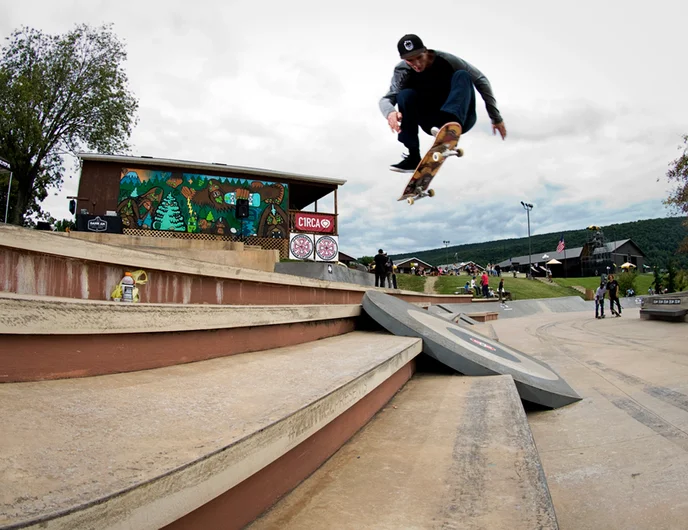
[
  {"x": 196, "y": 203},
  {"x": 169, "y": 216}
]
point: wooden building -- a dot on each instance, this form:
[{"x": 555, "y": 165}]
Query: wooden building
[
  {"x": 159, "y": 197},
  {"x": 580, "y": 261}
]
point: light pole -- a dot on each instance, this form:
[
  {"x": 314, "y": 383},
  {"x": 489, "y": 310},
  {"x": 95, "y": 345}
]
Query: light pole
[
  {"x": 446, "y": 252},
  {"x": 527, "y": 208}
]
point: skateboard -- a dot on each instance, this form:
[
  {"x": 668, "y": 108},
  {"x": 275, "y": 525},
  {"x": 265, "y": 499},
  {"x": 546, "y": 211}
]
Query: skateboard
[{"x": 443, "y": 147}]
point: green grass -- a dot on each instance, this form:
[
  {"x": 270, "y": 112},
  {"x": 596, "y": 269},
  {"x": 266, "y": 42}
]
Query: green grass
[
  {"x": 411, "y": 282},
  {"x": 642, "y": 283},
  {"x": 520, "y": 288}
]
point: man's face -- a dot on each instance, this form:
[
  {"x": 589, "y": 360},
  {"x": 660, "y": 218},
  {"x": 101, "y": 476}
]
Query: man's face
[{"x": 419, "y": 62}]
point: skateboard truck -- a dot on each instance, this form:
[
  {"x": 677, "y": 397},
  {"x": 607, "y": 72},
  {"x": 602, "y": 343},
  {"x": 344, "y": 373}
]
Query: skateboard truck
[
  {"x": 420, "y": 193},
  {"x": 446, "y": 153}
]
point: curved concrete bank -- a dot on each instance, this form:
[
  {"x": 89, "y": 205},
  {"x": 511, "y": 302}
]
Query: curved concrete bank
[
  {"x": 227, "y": 436},
  {"x": 468, "y": 352}
]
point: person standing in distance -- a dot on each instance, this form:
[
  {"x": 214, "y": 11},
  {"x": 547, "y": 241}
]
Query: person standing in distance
[
  {"x": 380, "y": 260},
  {"x": 432, "y": 88}
]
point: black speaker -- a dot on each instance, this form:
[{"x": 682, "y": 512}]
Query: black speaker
[{"x": 241, "y": 210}]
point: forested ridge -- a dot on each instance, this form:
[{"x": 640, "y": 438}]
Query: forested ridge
[{"x": 660, "y": 240}]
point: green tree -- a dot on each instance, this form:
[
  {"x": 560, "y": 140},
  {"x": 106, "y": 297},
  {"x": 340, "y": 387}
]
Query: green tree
[
  {"x": 671, "y": 277},
  {"x": 657, "y": 282},
  {"x": 626, "y": 280},
  {"x": 59, "y": 94},
  {"x": 64, "y": 224},
  {"x": 678, "y": 175}
]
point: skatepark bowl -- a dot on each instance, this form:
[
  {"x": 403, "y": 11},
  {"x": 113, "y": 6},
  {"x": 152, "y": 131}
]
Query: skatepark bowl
[{"x": 233, "y": 398}]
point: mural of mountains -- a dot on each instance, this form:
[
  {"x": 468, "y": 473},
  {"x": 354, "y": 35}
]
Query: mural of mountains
[
  {"x": 660, "y": 240},
  {"x": 131, "y": 179}
]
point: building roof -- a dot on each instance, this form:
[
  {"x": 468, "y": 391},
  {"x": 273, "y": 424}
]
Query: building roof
[
  {"x": 408, "y": 260},
  {"x": 212, "y": 166},
  {"x": 568, "y": 253}
]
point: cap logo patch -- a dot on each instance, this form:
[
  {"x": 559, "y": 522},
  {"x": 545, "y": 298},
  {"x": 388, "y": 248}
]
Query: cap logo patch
[{"x": 408, "y": 45}]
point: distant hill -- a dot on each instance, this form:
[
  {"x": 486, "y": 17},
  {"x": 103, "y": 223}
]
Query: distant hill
[{"x": 659, "y": 239}]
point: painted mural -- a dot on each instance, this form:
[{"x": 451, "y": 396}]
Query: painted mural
[{"x": 190, "y": 202}]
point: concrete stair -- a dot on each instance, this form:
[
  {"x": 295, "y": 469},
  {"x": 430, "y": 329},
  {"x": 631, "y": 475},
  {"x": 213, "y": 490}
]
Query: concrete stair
[
  {"x": 225, "y": 389},
  {"x": 446, "y": 452},
  {"x": 54, "y": 338},
  {"x": 228, "y": 435}
]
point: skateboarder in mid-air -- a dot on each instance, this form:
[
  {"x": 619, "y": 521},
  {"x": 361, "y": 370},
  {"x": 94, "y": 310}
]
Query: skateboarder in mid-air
[{"x": 432, "y": 88}]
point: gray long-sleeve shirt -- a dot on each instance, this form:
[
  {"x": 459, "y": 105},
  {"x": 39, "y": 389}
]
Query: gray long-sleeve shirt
[{"x": 404, "y": 74}]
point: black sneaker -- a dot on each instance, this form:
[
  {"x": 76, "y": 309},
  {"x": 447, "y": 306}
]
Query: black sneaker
[{"x": 407, "y": 165}]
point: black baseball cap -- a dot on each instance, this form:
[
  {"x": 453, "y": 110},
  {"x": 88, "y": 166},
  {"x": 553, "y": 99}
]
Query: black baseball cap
[{"x": 409, "y": 46}]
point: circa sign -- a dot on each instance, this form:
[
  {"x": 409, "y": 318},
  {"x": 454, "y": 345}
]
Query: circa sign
[{"x": 314, "y": 222}]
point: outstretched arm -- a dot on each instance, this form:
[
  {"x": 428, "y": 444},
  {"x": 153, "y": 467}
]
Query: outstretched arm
[
  {"x": 482, "y": 85},
  {"x": 389, "y": 100}
]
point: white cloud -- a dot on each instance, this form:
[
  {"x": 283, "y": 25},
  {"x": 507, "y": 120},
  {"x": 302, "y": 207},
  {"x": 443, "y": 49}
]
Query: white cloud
[{"x": 592, "y": 94}]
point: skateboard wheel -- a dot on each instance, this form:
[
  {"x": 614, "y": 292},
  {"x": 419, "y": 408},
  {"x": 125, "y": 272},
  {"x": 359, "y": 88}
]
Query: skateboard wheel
[
  {"x": 436, "y": 157},
  {"x": 459, "y": 152},
  {"x": 431, "y": 193},
  {"x": 410, "y": 200}
]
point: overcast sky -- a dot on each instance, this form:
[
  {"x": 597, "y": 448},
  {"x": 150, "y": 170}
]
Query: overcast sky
[{"x": 593, "y": 94}]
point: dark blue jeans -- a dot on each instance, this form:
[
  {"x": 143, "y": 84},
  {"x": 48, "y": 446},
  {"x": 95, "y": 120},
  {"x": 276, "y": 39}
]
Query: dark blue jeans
[{"x": 414, "y": 113}]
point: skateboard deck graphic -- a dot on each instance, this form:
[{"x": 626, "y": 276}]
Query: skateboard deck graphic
[{"x": 443, "y": 147}]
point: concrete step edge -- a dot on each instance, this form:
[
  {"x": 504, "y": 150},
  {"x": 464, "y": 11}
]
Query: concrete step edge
[
  {"x": 166, "y": 497},
  {"x": 48, "y": 315}
]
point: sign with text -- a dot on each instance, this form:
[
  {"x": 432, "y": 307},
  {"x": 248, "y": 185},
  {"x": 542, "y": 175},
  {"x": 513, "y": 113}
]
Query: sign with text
[{"x": 314, "y": 222}]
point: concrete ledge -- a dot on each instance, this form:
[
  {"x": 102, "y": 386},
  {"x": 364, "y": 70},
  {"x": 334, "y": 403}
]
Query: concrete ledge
[
  {"x": 142, "y": 450},
  {"x": 44, "y": 315},
  {"x": 446, "y": 452},
  {"x": 677, "y": 315},
  {"x": 671, "y": 307},
  {"x": 41, "y": 263},
  {"x": 321, "y": 271},
  {"x": 483, "y": 317},
  {"x": 232, "y": 253}
]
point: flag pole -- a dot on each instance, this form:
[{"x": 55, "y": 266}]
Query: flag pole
[{"x": 565, "y": 266}]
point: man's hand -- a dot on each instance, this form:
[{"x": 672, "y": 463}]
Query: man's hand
[
  {"x": 499, "y": 127},
  {"x": 394, "y": 120}
]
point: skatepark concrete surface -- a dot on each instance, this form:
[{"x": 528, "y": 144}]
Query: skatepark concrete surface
[
  {"x": 447, "y": 452},
  {"x": 524, "y": 308},
  {"x": 618, "y": 459}
]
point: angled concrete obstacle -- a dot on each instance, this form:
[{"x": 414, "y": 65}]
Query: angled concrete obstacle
[{"x": 468, "y": 352}]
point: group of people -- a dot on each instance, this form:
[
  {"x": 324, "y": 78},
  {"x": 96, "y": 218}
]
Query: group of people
[
  {"x": 485, "y": 289},
  {"x": 610, "y": 286},
  {"x": 384, "y": 270}
]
